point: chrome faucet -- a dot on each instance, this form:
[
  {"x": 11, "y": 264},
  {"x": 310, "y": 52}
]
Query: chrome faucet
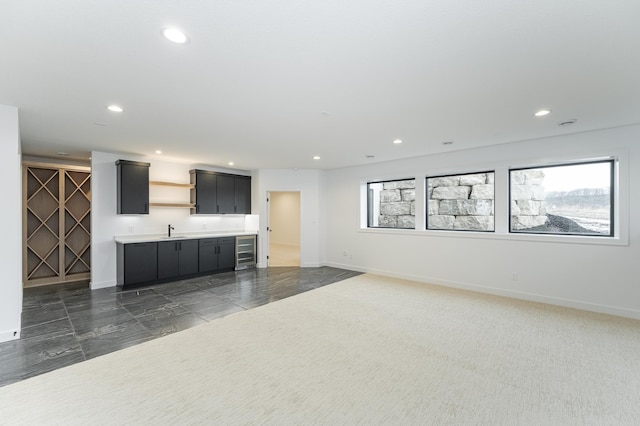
[{"x": 169, "y": 228}]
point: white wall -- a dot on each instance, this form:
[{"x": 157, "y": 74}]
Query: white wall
[
  {"x": 565, "y": 271},
  {"x": 106, "y": 224},
  {"x": 11, "y": 252},
  {"x": 284, "y": 218},
  {"x": 307, "y": 182}
]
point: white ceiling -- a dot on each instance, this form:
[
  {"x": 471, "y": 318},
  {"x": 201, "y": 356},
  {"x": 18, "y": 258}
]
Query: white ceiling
[{"x": 270, "y": 84}]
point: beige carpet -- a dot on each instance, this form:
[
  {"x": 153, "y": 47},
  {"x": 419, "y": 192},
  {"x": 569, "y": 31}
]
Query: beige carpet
[{"x": 368, "y": 350}]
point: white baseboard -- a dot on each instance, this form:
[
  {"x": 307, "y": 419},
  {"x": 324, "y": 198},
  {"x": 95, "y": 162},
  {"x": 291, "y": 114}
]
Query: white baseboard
[
  {"x": 532, "y": 297},
  {"x": 102, "y": 284},
  {"x": 6, "y": 336}
]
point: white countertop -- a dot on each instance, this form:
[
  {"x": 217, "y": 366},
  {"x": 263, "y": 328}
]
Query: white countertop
[{"x": 148, "y": 238}]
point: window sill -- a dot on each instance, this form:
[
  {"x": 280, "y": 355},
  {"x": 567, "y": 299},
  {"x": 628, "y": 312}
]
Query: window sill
[{"x": 539, "y": 238}]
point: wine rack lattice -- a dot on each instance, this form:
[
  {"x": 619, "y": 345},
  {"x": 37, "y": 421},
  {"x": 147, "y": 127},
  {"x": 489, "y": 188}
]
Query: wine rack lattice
[{"x": 57, "y": 225}]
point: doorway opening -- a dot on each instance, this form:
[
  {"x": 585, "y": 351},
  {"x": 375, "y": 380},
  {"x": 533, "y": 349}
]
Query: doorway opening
[{"x": 284, "y": 228}]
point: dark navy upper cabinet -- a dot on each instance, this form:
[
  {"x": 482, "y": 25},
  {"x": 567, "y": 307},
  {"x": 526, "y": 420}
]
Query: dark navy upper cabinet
[
  {"x": 205, "y": 195},
  {"x": 132, "y": 187},
  {"x": 243, "y": 194},
  {"x": 220, "y": 193},
  {"x": 226, "y": 194}
]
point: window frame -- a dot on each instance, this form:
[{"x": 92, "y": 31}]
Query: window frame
[
  {"x": 612, "y": 198},
  {"x": 622, "y": 197}
]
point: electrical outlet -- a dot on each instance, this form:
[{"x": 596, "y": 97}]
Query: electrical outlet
[
  {"x": 514, "y": 277},
  {"x": 345, "y": 253},
  {"x": 131, "y": 229},
  {"x": 204, "y": 226}
]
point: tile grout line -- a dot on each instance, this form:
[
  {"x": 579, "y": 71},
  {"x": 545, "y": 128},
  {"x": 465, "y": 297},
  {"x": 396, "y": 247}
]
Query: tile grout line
[
  {"x": 193, "y": 312},
  {"x": 153, "y": 336},
  {"x": 73, "y": 328}
]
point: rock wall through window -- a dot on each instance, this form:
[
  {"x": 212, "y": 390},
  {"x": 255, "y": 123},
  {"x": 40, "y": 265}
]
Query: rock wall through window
[{"x": 461, "y": 202}]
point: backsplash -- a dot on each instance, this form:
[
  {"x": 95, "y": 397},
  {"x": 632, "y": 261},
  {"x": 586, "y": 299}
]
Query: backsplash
[{"x": 157, "y": 220}]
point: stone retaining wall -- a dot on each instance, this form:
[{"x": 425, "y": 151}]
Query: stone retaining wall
[
  {"x": 462, "y": 202},
  {"x": 397, "y": 204},
  {"x": 528, "y": 208}
]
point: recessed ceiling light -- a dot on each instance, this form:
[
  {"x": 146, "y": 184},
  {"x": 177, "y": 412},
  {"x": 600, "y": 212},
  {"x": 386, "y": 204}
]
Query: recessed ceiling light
[
  {"x": 175, "y": 35},
  {"x": 158, "y": 151},
  {"x": 114, "y": 108},
  {"x": 447, "y": 142},
  {"x": 99, "y": 123},
  {"x": 62, "y": 153},
  {"x": 542, "y": 112},
  {"x": 231, "y": 163},
  {"x": 397, "y": 141},
  {"x": 369, "y": 156},
  {"x": 316, "y": 157}
]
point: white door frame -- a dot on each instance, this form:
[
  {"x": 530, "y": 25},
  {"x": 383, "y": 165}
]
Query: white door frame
[
  {"x": 267, "y": 238},
  {"x": 268, "y": 233}
]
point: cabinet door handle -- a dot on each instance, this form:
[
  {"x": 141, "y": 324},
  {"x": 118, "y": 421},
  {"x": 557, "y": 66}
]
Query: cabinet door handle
[
  {"x": 146, "y": 207},
  {"x": 217, "y": 208},
  {"x": 197, "y": 208}
]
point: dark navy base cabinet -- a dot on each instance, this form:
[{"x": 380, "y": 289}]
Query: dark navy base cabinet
[
  {"x": 177, "y": 258},
  {"x": 217, "y": 254},
  {"x": 137, "y": 263},
  {"x": 158, "y": 261}
]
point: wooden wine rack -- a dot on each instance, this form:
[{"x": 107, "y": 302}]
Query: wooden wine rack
[{"x": 56, "y": 224}]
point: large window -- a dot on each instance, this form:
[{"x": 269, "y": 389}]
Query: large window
[
  {"x": 461, "y": 202},
  {"x": 391, "y": 204},
  {"x": 574, "y": 199}
]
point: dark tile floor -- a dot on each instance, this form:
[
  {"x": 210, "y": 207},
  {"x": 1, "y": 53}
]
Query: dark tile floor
[{"x": 63, "y": 325}]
